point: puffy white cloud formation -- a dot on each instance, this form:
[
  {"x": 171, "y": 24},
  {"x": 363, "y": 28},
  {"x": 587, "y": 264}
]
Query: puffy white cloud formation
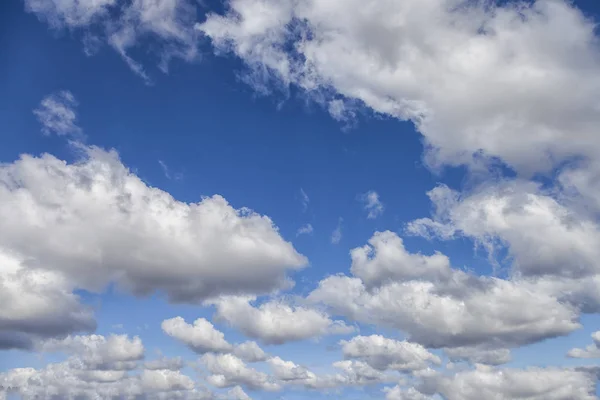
[
  {"x": 276, "y": 322},
  {"x": 228, "y": 371},
  {"x": 202, "y": 337},
  {"x": 515, "y": 384},
  {"x": 591, "y": 351},
  {"x": 143, "y": 240},
  {"x": 449, "y": 308},
  {"x": 115, "y": 352},
  {"x": 36, "y": 304},
  {"x": 479, "y": 355},
  {"x": 382, "y": 353},
  {"x": 250, "y": 352},
  {"x": 473, "y": 76}
]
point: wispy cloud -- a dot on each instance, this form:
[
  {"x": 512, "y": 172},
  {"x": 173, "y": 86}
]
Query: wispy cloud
[
  {"x": 372, "y": 204},
  {"x": 336, "y": 235},
  {"x": 305, "y": 199},
  {"x": 177, "y": 176},
  {"x": 305, "y": 230},
  {"x": 57, "y": 114}
]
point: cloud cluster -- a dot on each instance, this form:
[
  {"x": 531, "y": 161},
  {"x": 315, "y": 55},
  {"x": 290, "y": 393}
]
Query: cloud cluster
[
  {"x": 474, "y": 77},
  {"x": 276, "y": 321},
  {"x": 143, "y": 240}
]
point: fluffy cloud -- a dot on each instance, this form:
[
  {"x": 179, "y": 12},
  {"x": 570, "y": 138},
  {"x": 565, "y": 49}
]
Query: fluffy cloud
[
  {"x": 385, "y": 259},
  {"x": 591, "y": 351},
  {"x": 515, "y": 384},
  {"x": 479, "y": 355},
  {"x": 202, "y": 337},
  {"x": 228, "y": 371},
  {"x": 143, "y": 239},
  {"x": 250, "y": 352},
  {"x": 460, "y": 310},
  {"x": 96, "y": 352},
  {"x": 36, "y": 304},
  {"x": 57, "y": 114},
  {"x": 473, "y": 77},
  {"x": 276, "y": 322},
  {"x": 372, "y": 204},
  {"x": 382, "y": 353},
  {"x": 62, "y": 380},
  {"x": 512, "y": 213}
]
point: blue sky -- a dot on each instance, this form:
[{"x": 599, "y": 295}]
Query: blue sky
[{"x": 342, "y": 126}]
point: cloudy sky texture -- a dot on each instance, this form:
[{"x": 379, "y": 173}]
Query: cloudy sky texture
[{"x": 283, "y": 199}]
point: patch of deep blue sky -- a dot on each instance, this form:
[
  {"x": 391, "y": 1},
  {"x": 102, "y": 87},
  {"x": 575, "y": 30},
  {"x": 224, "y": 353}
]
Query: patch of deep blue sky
[{"x": 222, "y": 138}]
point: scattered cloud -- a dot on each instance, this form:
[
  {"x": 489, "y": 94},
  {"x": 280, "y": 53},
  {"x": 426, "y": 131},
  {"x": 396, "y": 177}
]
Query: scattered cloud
[
  {"x": 305, "y": 200},
  {"x": 591, "y": 351},
  {"x": 202, "y": 337},
  {"x": 276, "y": 322},
  {"x": 168, "y": 173},
  {"x": 372, "y": 204},
  {"x": 336, "y": 235},
  {"x": 305, "y": 230},
  {"x": 57, "y": 114}
]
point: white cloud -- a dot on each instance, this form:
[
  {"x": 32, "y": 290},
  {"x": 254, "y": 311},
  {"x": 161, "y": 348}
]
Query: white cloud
[
  {"x": 372, "y": 204},
  {"x": 250, "y": 352},
  {"x": 472, "y": 77},
  {"x": 277, "y": 322},
  {"x": 385, "y": 259},
  {"x": 96, "y": 352},
  {"x": 173, "y": 363},
  {"x": 398, "y": 393},
  {"x": 515, "y": 384},
  {"x": 36, "y": 304},
  {"x": 305, "y": 230},
  {"x": 591, "y": 351},
  {"x": 168, "y": 24},
  {"x": 382, "y": 353},
  {"x": 479, "y": 355},
  {"x": 143, "y": 239},
  {"x": 69, "y": 13},
  {"x": 459, "y": 310},
  {"x": 305, "y": 199},
  {"x": 202, "y": 337},
  {"x": 57, "y": 114},
  {"x": 228, "y": 371},
  {"x": 336, "y": 235}
]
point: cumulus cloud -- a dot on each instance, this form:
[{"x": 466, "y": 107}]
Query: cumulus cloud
[
  {"x": 382, "y": 353},
  {"x": 57, "y": 114},
  {"x": 372, "y": 204},
  {"x": 143, "y": 239},
  {"x": 202, "y": 337},
  {"x": 591, "y": 351},
  {"x": 276, "y": 322},
  {"x": 36, "y": 304},
  {"x": 460, "y": 310},
  {"x": 515, "y": 384},
  {"x": 250, "y": 352},
  {"x": 63, "y": 380},
  {"x": 227, "y": 370},
  {"x": 96, "y": 352},
  {"x": 473, "y": 77}
]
